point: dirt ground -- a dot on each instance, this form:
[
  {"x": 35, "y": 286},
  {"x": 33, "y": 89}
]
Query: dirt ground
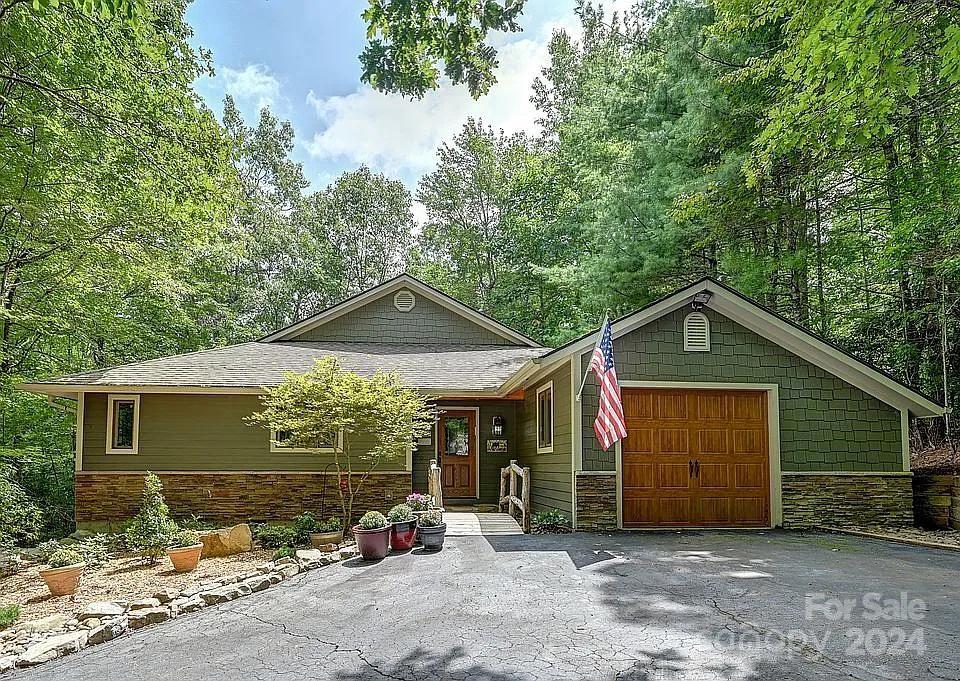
[
  {"x": 950, "y": 537},
  {"x": 126, "y": 578},
  {"x": 936, "y": 461}
]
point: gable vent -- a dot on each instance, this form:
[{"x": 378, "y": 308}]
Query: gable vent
[
  {"x": 404, "y": 300},
  {"x": 696, "y": 333}
]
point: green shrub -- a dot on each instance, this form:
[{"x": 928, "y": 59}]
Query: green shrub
[
  {"x": 401, "y": 513},
  {"x": 285, "y": 552},
  {"x": 21, "y": 520},
  {"x": 8, "y": 615},
  {"x": 372, "y": 520},
  {"x": 432, "y": 518},
  {"x": 329, "y": 525},
  {"x": 274, "y": 536},
  {"x": 550, "y": 522},
  {"x": 150, "y": 531},
  {"x": 64, "y": 557},
  {"x": 195, "y": 523},
  {"x": 303, "y": 525},
  {"x": 184, "y": 538}
]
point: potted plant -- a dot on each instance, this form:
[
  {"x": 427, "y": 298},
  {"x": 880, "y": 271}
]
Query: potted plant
[
  {"x": 432, "y": 530},
  {"x": 63, "y": 574},
  {"x": 419, "y": 503},
  {"x": 403, "y": 527},
  {"x": 373, "y": 536},
  {"x": 327, "y": 532},
  {"x": 184, "y": 550}
]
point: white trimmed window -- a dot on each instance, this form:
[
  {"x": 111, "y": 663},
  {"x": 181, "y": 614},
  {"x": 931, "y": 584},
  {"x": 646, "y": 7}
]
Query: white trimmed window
[
  {"x": 279, "y": 437},
  {"x": 696, "y": 333},
  {"x": 123, "y": 424},
  {"x": 545, "y": 418}
]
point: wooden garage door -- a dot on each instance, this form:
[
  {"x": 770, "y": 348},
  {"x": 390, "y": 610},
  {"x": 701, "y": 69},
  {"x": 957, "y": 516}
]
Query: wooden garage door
[{"x": 695, "y": 457}]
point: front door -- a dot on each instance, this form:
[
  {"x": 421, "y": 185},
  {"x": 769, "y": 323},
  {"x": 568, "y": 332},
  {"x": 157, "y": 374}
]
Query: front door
[{"x": 458, "y": 453}]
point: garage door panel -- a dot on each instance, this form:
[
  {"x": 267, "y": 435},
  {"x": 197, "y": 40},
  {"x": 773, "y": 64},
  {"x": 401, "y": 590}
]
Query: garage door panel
[
  {"x": 673, "y": 441},
  {"x": 750, "y": 441},
  {"x": 638, "y": 440},
  {"x": 713, "y": 441},
  {"x": 712, "y": 406},
  {"x": 673, "y": 475},
  {"x": 672, "y": 406},
  {"x": 715, "y": 510},
  {"x": 674, "y": 510},
  {"x": 750, "y": 511},
  {"x": 638, "y": 475},
  {"x": 748, "y": 406},
  {"x": 750, "y": 476},
  {"x": 638, "y": 404},
  {"x": 714, "y": 476}
]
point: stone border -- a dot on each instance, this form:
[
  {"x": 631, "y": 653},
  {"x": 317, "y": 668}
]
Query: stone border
[
  {"x": 104, "y": 621},
  {"x": 889, "y": 537}
]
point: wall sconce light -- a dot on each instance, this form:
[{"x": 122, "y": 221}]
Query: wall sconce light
[
  {"x": 497, "y": 429},
  {"x": 701, "y": 299}
]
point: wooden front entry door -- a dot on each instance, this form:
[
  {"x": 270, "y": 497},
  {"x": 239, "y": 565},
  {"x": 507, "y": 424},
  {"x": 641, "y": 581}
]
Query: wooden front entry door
[
  {"x": 458, "y": 453},
  {"x": 696, "y": 458}
]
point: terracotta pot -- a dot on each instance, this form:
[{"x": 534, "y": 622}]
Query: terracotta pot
[
  {"x": 402, "y": 535},
  {"x": 63, "y": 581},
  {"x": 372, "y": 544},
  {"x": 432, "y": 537},
  {"x": 185, "y": 558},
  {"x": 319, "y": 539}
]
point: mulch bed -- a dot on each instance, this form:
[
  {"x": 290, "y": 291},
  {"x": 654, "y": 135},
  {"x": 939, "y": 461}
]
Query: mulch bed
[
  {"x": 935, "y": 461},
  {"x": 949, "y": 539}
]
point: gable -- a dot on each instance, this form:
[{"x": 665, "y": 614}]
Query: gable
[{"x": 402, "y": 310}]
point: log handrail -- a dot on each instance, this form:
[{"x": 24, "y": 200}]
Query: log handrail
[
  {"x": 509, "y": 501},
  {"x": 434, "y": 489}
]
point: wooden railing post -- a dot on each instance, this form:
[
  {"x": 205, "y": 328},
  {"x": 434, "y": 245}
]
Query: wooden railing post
[
  {"x": 503, "y": 489},
  {"x": 513, "y": 480},
  {"x": 434, "y": 488},
  {"x": 525, "y": 499},
  {"x": 509, "y": 501}
]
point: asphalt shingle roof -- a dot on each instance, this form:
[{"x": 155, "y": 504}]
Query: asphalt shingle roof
[{"x": 440, "y": 367}]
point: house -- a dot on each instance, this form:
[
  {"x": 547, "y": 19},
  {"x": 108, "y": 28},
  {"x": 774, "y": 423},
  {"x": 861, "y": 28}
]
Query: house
[{"x": 736, "y": 417}]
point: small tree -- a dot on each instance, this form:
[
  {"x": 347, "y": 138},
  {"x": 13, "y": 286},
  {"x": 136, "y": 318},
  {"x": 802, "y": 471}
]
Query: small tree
[
  {"x": 330, "y": 405},
  {"x": 150, "y": 531}
]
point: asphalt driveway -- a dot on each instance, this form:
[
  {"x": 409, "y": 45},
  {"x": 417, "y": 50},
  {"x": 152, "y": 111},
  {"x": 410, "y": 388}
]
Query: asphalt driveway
[{"x": 718, "y": 605}]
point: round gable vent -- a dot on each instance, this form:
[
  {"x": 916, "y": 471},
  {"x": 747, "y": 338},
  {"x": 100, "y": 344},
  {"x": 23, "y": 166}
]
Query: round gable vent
[{"x": 404, "y": 300}]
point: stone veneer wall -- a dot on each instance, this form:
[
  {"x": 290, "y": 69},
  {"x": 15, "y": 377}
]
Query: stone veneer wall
[
  {"x": 936, "y": 501},
  {"x": 112, "y": 497},
  {"x": 839, "y": 500},
  {"x": 596, "y": 502}
]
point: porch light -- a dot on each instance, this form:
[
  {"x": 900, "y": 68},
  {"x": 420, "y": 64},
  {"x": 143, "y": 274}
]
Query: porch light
[
  {"x": 497, "y": 429},
  {"x": 701, "y": 299}
]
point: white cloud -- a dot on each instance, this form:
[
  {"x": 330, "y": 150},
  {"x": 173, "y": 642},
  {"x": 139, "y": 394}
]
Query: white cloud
[
  {"x": 400, "y": 136},
  {"x": 253, "y": 88}
]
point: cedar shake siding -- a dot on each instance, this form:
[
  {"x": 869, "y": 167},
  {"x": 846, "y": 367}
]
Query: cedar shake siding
[
  {"x": 379, "y": 321},
  {"x": 551, "y": 474},
  {"x": 825, "y": 423},
  {"x": 197, "y": 433}
]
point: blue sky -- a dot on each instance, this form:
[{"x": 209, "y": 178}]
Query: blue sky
[{"x": 300, "y": 58}]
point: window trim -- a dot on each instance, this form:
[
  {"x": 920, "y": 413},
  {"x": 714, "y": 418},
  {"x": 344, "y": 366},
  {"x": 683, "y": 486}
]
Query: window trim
[
  {"x": 276, "y": 448},
  {"x": 108, "y": 445},
  {"x": 687, "y": 345},
  {"x": 548, "y": 449}
]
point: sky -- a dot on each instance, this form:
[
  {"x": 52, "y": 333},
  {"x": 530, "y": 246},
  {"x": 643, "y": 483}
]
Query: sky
[{"x": 299, "y": 57}]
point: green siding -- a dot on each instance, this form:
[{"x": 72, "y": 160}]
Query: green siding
[
  {"x": 196, "y": 433},
  {"x": 490, "y": 464},
  {"x": 825, "y": 423},
  {"x": 551, "y": 474},
  {"x": 380, "y": 322}
]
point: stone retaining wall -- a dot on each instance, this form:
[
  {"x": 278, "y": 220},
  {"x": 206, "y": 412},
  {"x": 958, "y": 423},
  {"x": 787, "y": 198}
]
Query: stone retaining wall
[
  {"x": 596, "y": 502},
  {"x": 843, "y": 500},
  {"x": 936, "y": 501},
  {"x": 104, "y": 498}
]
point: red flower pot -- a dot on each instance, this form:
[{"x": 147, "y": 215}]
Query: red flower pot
[
  {"x": 403, "y": 535},
  {"x": 372, "y": 544}
]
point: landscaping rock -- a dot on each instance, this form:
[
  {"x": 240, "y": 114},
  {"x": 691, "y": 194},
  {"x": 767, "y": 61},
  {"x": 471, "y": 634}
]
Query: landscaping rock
[
  {"x": 181, "y": 606},
  {"x": 266, "y": 568},
  {"x": 52, "y": 648},
  {"x": 144, "y": 616},
  {"x": 101, "y": 610},
  {"x": 108, "y": 631},
  {"x": 92, "y": 623},
  {"x": 349, "y": 552},
  {"x": 80, "y": 535},
  {"x": 223, "y": 594},
  {"x": 167, "y": 595},
  {"x": 227, "y": 541},
  {"x": 48, "y": 623},
  {"x": 275, "y": 578},
  {"x": 311, "y": 558},
  {"x": 288, "y": 570},
  {"x": 145, "y": 604},
  {"x": 257, "y": 583},
  {"x": 7, "y": 662}
]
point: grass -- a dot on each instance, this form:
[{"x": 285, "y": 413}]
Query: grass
[{"x": 8, "y": 615}]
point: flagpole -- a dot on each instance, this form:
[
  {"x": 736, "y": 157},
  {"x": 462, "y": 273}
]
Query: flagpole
[{"x": 583, "y": 383}]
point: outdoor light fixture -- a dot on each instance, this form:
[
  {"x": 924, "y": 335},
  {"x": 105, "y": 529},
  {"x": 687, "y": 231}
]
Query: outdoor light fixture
[
  {"x": 701, "y": 299},
  {"x": 497, "y": 426}
]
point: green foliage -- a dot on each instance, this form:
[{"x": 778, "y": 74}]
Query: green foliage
[
  {"x": 8, "y": 615},
  {"x": 419, "y": 502},
  {"x": 432, "y": 518},
  {"x": 150, "y": 531},
  {"x": 372, "y": 520},
  {"x": 20, "y": 518},
  {"x": 550, "y": 522},
  {"x": 284, "y": 552},
  {"x": 401, "y": 513},
  {"x": 275, "y": 536},
  {"x": 303, "y": 525},
  {"x": 407, "y": 41},
  {"x": 184, "y": 538},
  {"x": 64, "y": 557},
  {"x": 329, "y": 525}
]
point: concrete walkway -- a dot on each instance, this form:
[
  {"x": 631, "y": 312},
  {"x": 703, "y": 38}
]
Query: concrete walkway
[
  {"x": 718, "y": 606},
  {"x": 480, "y": 524}
]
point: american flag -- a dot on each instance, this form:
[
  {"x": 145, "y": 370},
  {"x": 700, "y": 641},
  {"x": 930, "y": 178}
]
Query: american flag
[{"x": 609, "y": 425}]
